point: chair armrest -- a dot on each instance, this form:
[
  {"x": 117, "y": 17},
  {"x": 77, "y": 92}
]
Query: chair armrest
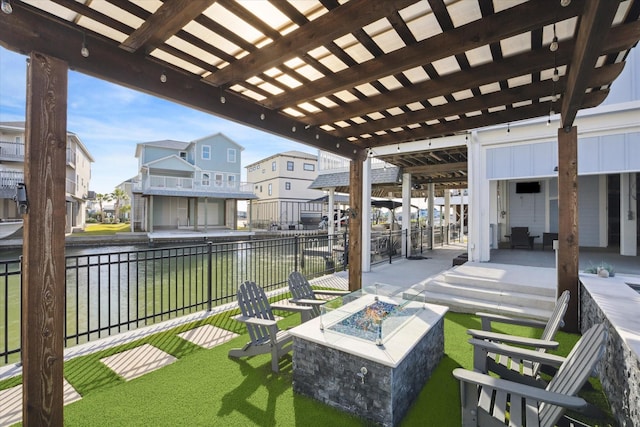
[
  {"x": 516, "y": 352},
  {"x": 541, "y": 395},
  {"x": 512, "y": 339},
  {"x": 310, "y": 302},
  {"x": 331, "y": 292},
  {"x": 291, "y": 308},
  {"x": 255, "y": 321},
  {"x": 487, "y": 318}
]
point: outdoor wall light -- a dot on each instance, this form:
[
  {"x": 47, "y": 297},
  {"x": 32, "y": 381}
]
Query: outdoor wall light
[
  {"x": 21, "y": 198},
  {"x": 6, "y": 7},
  {"x": 555, "y": 169}
]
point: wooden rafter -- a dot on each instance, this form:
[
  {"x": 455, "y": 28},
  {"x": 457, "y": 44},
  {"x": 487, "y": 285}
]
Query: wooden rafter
[
  {"x": 170, "y": 18},
  {"x": 595, "y": 22},
  {"x": 459, "y": 40},
  {"x": 318, "y": 32},
  {"x": 438, "y": 168},
  {"x": 601, "y": 77}
]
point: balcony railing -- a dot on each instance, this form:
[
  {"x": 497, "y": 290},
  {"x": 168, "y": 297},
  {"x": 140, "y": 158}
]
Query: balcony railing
[
  {"x": 187, "y": 185},
  {"x": 11, "y": 150},
  {"x": 9, "y": 179}
]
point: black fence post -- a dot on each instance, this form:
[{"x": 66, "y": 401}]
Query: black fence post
[
  {"x": 296, "y": 249},
  {"x": 210, "y": 275}
]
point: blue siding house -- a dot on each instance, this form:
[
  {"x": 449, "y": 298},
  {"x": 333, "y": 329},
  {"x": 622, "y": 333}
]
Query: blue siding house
[{"x": 188, "y": 185}]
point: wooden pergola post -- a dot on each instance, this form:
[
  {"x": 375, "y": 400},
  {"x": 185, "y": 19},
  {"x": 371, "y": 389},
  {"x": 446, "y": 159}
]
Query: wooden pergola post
[
  {"x": 568, "y": 223},
  {"x": 355, "y": 224},
  {"x": 43, "y": 249}
]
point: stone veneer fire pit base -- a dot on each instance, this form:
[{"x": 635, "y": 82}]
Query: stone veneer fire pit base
[{"x": 384, "y": 394}]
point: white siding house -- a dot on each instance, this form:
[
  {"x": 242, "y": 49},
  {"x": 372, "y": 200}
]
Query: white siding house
[
  {"x": 281, "y": 183},
  {"x": 189, "y": 185},
  {"x": 78, "y": 173}
]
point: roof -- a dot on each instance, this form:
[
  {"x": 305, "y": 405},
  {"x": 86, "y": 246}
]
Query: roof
[
  {"x": 292, "y": 153},
  {"x": 219, "y": 135},
  {"x": 345, "y": 76},
  {"x": 381, "y": 180}
]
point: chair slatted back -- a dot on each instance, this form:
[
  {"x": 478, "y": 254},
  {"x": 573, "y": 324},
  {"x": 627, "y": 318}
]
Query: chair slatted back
[
  {"x": 300, "y": 289},
  {"x": 553, "y": 324},
  {"x": 575, "y": 371},
  {"x": 253, "y": 302}
]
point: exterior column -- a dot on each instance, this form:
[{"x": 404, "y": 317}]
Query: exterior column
[
  {"x": 406, "y": 214},
  {"x": 628, "y": 216},
  {"x": 330, "y": 208},
  {"x": 447, "y": 210},
  {"x": 568, "y": 242},
  {"x": 366, "y": 215},
  {"x": 355, "y": 224},
  {"x": 150, "y": 214},
  {"x": 478, "y": 206},
  {"x": 430, "y": 205},
  {"x": 43, "y": 275}
]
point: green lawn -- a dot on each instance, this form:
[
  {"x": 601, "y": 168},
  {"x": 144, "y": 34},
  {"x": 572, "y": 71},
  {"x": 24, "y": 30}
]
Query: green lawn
[{"x": 205, "y": 387}]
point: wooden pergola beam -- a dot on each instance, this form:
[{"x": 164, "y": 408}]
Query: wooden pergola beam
[
  {"x": 459, "y": 40},
  {"x": 169, "y": 19},
  {"x": 437, "y": 168},
  {"x": 356, "y": 213},
  {"x": 619, "y": 38},
  {"x": 43, "y": 269},
  {"x": 595, "y": 22},
  {"x": 591, "y": 99},
  {"x": 601, "y": 77},
  {"x": 320, "y": 31}
]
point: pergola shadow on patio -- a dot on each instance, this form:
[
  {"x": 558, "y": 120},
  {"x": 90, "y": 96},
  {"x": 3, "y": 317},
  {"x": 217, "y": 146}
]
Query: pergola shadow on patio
[{"x": 345, "y": 78}]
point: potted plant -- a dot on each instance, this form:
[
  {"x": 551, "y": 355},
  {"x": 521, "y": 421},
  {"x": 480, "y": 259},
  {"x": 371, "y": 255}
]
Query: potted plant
[{"x": 603, "y": 270}]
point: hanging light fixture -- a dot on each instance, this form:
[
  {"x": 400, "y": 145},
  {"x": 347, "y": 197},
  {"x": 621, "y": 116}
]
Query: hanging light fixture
[
  {"x": 554, "y": 43},
  {"x": 565, "y": 3},
  {"x": 556, "y": 75},
  {"x": 163, "y": 77},
  {"x": 6, "y": 7},
  {"x": 84, "y": 50}
]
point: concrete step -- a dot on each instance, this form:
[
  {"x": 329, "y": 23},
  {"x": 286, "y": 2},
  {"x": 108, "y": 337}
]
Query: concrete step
[
  {"x": 513, "y": 296},
  {"x": 529, "y": 280},
  {"x": 460, "y": 304}
]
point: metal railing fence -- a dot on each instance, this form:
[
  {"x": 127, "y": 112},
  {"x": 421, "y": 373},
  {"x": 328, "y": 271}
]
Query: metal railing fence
[{"x": 109, "y": 293}]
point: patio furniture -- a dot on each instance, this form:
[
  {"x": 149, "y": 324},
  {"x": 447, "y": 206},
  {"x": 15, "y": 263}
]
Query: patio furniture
[
  {"x": 303, "y": 294},
  {"x": 265, "y": 335},
  {"x": 514, "y": 369},
  {"x": 490, "y": 401},
  {"x": 548, "y": 238},
  {"x": 520, "y": 237}
]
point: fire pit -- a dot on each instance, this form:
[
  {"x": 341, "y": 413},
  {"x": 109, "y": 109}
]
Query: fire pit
[{"x": 369, "y": 354}]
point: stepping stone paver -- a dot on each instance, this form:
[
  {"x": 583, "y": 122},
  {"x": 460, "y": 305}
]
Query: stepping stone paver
[
  {"x": 208, "y": 336},
  {"x": 138, "y": 361}
]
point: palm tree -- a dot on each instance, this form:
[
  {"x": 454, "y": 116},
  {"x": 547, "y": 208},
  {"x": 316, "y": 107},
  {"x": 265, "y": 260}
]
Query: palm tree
[
  {"x": 119, "y": 195},
  {"x": 102, "y": 198}
]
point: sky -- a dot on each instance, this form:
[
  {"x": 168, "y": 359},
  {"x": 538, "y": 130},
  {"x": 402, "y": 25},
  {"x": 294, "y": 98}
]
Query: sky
[{"x": 110, "y": 120}]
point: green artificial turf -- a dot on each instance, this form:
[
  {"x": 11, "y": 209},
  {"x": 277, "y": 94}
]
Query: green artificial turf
[{"x": 206, "y": 387}]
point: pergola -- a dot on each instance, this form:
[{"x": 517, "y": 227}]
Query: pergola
[{"x": 345, "y": 77}]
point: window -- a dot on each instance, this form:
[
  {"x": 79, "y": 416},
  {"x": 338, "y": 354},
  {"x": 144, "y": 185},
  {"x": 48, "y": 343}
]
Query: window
[
  {"x": 287, "y": 186},
  {"x": 218, "y": 179},
  {"x": 273, "y": 166},
  {"x": 206, "y": 152},
  {"x": 231, "y": 155},
  {"x": 183, "y": 155},
  {"x": 270, "y": 189},
  {"x": 205, "y": 179},
  {"x": 289, "y": 165},
  {"x": 18, "y": 140},
  {"x": 231, "y": 181},
  {"x": 309, "y": 167}
]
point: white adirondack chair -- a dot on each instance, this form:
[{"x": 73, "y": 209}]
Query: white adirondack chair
[
  {"x": 264, "y": 333},
  {"x": 303, "y": 294},
  {"x": 489, "y": 401},
  {"x": 524, "y": 371}
]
